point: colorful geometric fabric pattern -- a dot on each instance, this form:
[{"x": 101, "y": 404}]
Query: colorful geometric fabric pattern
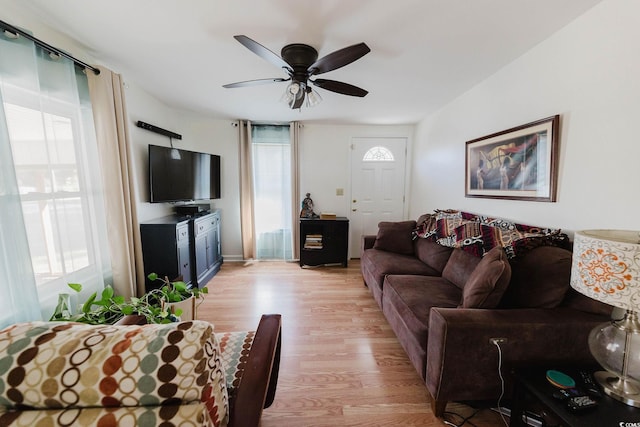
[
  {"x": 235, "y": 348},
  {"x": 187, "y": 415},
  {"x": 65, "y": 366},
  {"x": 479, "y": 234}
]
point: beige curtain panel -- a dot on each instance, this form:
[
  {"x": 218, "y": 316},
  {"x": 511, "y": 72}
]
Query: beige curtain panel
[
  {"x": 110, "y": 117},
  {"x": 294, "y": 129},
  {"x": 246, "y": 192}
]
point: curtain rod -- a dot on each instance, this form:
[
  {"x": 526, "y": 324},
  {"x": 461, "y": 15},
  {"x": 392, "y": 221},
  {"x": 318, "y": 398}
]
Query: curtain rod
[{"x": 15, "y": 30}]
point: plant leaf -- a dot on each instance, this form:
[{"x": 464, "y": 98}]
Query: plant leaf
[
  {"x": 75, "y": 286},
  {"x": 152, "y": 276},
  {"x": 86, "y": 307},
  {"x": 107, "y": 293}
]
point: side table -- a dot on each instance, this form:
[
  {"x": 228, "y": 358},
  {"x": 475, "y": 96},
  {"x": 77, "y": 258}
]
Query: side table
[
  {"x": 532, "y": 386},
  {"x": 324, "y": 241}
]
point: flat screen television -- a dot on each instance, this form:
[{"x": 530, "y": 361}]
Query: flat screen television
[{"x": 177, "y": 175}]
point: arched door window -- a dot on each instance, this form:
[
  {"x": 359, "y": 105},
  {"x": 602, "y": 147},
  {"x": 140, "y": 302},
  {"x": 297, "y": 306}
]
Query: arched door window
[{"x": 378, "y": 154}]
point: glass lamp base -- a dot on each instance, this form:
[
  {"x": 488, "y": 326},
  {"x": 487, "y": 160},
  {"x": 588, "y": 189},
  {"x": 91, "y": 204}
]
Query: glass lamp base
[{"x": 626, "y": 391}]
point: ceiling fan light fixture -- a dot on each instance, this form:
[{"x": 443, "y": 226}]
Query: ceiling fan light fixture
[
  {"x": 313, "y": 97},
  {"x": 300, "y": 62},
  {"x": 294, "y": 92}
]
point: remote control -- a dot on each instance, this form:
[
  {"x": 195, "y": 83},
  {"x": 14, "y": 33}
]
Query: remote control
[
  {"x": 567, "y": 393},
  {"x": 581, "y": 403},
  {"x": 589, "y": 384}
]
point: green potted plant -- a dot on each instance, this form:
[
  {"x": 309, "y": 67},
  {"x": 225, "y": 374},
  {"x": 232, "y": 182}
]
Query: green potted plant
[
  {"x": 177, "y": 298},
  {"x": 109, "y": 308},
  {"x": 171, "y": 302}
]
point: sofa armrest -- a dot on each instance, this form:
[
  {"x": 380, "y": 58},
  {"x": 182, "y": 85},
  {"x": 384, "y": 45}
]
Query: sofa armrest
[
  {"x": 462, "y": 363},
  {"x": 367, "y": 242},
  {"x": 257, "y": 386}
]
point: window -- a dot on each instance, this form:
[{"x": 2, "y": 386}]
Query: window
[
  {"x": 271, "y": 151},
  {"x": 378, "y": 154},
  {"x": 53, "y": 157}
]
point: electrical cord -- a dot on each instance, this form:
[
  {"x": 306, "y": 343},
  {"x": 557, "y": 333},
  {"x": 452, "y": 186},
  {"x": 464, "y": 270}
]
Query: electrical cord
[
  {"x": 465, "y": 420},
  {"x": 497, "y": 344}
]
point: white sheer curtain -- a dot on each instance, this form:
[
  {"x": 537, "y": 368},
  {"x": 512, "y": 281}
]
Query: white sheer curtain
[
  {"x": 269, "y": 190},
  {"x": 17, "y": 283},
  {"x": 272, "y": 191},
  {"x": 52, "y": 226}
]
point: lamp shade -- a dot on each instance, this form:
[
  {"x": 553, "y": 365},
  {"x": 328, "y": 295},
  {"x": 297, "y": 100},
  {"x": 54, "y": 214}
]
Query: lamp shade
[{"x": 606, "y": 267}]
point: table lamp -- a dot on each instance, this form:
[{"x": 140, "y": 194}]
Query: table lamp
[{"x": 606, "y": 267}]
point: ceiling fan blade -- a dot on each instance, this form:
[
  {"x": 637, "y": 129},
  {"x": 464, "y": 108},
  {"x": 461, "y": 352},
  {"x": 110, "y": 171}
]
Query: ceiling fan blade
[
  {"x": 263, "y": 52},
  {"x": 339, "y": 58},
  {"x": 340, "y": 87},
  {"x": 255, "y": 82}
]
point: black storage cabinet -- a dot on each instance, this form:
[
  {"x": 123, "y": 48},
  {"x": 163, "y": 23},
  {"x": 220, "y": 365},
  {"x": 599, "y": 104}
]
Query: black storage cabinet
[
  {"x": 180, "y": 247},
  {"x": 324, "y": 241},
  {"x": 166, "y": 249}
]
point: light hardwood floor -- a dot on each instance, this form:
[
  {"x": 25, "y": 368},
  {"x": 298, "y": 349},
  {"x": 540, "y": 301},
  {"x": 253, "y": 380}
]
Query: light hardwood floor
[{"x": 341, "y": 363}]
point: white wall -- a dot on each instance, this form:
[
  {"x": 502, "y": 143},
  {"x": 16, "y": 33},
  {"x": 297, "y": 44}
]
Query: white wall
[
  {"x": 199, "y": 133},
  {"x": 325, "y": 160},
  {"x": 588, "y": 73}
]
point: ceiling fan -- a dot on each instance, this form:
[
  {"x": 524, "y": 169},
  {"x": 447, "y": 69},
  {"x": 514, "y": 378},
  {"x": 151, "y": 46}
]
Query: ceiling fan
[{"x": 300, "y": 62}]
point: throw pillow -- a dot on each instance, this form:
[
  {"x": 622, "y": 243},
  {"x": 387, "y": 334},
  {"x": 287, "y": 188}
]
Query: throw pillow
[
  {"x": 488, "y": 282},
  {"x": 395, "y": 237},
  {"x": 534, "y": 287}
]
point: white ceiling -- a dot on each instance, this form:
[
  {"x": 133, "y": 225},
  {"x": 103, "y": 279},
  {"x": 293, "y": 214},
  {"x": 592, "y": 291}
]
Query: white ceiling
[{"x": 424, "y": 53}]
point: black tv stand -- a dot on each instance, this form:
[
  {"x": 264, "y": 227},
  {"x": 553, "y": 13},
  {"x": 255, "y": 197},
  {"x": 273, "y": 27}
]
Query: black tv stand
[
  {"x": 193, "y": 209},
  {"x": 182, "y": 247}
]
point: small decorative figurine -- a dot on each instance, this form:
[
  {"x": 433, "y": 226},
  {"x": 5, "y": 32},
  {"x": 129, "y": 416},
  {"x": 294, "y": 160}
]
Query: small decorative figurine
[{"x": 307, "y": 208}]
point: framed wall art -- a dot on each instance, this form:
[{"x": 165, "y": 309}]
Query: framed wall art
[{"x": 517, "y": 164}]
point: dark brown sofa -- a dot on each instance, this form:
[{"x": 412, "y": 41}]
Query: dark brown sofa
[{"x": 445, "y": 304}]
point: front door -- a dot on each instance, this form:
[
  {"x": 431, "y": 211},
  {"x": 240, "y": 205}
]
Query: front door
[{"x": 377, "y": 186}]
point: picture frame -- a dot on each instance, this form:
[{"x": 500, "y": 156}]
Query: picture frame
[{"x": 520, "y": 163}]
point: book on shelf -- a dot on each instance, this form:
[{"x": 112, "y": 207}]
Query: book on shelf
[
  {"x": 313, "y": 246},
  {"x": 313, "y": 241}
]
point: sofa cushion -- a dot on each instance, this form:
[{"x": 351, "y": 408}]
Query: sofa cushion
[
  {"x": 488, "y": 282},
  {"x": 380, "y": 263},
  {"x": 575, "y": 299},
  {"x": 376, "y": 264},
  {"x": 395, "y": 237},
  {"x": 149, "y": 365},
  {"x": 432, "y": 254},
  {"x": 459, "y": 267},
  {"x": 535, "y": 287},
  {"x": 407, "y": 301}
]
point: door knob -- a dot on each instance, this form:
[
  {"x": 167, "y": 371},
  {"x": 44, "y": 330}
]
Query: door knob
[
  {"x": 353, "y": 210},
  {"x": 354, "y": 201}
]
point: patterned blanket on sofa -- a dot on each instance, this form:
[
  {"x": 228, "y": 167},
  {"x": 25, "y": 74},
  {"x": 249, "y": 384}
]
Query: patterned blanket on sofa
[{"x": 478, "y": 234}]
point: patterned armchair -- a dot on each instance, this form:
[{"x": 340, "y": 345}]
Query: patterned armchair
[{"x": 58, "y": 373}]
